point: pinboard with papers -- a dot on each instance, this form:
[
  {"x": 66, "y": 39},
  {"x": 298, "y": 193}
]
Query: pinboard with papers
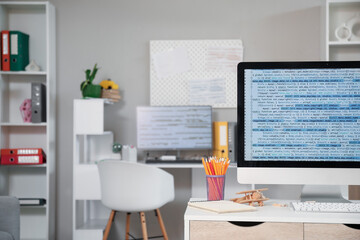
[{"x": 194, "y": 72}]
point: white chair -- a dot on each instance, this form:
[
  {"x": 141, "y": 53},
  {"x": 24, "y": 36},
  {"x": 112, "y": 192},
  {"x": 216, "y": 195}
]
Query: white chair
[{"x": 134, "y": 187}]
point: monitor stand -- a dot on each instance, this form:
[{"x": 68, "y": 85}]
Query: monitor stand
[{"x": 322, "y": 193}]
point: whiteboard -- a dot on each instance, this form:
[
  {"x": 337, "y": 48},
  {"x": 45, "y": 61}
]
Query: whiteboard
[{"x": 194, "y": 72}]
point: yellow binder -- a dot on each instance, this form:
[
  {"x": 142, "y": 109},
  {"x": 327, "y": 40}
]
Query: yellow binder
[{"x": 220, "y": 140}]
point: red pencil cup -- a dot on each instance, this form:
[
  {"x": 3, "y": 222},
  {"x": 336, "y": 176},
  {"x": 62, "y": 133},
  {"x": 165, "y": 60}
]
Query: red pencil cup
[{"x": 215, "y": 185}]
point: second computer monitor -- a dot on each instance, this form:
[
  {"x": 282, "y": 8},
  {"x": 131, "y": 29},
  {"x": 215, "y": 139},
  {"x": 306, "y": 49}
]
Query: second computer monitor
[{"x": 174, "y": 127}]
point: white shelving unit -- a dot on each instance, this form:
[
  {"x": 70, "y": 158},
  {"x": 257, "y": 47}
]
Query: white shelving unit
[
  {"x": 340, "y": 13},
  {"x": 91, "y": 144},
  {"x": 33, "y": 181}
]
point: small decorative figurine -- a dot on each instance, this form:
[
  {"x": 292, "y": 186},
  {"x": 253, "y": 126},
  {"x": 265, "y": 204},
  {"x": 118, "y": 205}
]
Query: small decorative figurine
[
  {"x": 25, "y": 109},
  {"x": 32, "y": 67},
  {"x": 251, "y": 197},
  {"x": 87, "y": 87},
  {"x": 110, "y": 90},
  {"x": 116, "y": 148},
  {"x": 108, "y": 84}
]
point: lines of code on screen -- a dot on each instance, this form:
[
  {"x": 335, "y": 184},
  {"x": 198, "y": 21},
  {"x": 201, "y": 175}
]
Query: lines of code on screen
[{"x": 302, "y": 114}]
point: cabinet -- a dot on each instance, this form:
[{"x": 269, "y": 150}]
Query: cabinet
[
  {"x": 91, "y": 144},
  {"x": 270, "y": 222},
  {"x": 342, "y": 30},
  {"x": 32, "y": 181},
  {"x": 262, "y": 231}
]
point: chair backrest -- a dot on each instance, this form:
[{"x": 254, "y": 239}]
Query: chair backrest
[
  {"x": 9, "y": 217},
  {"x": 134, "y": 187}
]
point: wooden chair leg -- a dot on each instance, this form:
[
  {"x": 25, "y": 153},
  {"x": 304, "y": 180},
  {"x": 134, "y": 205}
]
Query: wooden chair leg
[
  {"x": 162, "y": 226},
  {"x": 108, "y": 225},
  {"x": 127, "y": 226},
  {"x": 143, "y": 225}
]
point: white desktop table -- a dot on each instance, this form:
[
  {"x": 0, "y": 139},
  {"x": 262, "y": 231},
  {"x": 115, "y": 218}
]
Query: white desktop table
[{"x": 280, "y": 223}]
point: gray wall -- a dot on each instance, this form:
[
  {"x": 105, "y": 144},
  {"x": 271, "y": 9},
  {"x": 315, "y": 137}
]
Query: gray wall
[{"x": 116, "y": 34}]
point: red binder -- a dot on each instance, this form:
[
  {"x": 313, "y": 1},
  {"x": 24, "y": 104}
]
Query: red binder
[
  {"x": 22, "y": 151},
  {"x": 22, "y": 159},
  {"x": 5, "y": 50},
  {"x": 20, "y": 156}
]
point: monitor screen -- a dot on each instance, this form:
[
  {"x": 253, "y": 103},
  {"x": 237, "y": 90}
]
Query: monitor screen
[
  {"x": 174, "y": 127},
  {"x": 299, "y": 115}
]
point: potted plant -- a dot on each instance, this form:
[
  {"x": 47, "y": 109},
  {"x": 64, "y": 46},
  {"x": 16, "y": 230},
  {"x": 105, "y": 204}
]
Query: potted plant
[{"x": 89, "y": 89}]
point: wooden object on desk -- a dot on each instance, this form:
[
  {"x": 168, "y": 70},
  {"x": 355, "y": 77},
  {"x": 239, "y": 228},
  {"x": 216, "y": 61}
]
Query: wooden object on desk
[{"x": 251, "y": 197}]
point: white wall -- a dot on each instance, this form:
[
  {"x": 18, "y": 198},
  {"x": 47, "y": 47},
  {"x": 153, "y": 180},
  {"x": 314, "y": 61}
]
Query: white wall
[{"x": 116, "y": 34}]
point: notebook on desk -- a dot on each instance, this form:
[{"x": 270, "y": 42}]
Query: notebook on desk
[{"x": 222, "y": 206}]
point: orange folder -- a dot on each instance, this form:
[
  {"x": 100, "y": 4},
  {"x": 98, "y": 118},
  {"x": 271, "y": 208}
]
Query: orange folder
[
  {"x": 220, "y": 140},
  {"x": 5, "y": 50}
]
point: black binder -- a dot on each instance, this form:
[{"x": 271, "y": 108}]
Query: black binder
[{"x": 38, "y": 102}]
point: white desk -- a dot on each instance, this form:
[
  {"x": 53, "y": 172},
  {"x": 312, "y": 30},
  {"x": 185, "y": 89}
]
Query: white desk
[{"x": 202, "y": 221}]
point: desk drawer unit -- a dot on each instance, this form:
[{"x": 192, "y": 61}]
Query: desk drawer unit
[
  {"x": 316, "y": 231},
  {"x": 214, "y": 230}
]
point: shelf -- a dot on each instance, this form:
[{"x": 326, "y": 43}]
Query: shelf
[
  {"x": 22, "y": 73},
  {"x": 94, "y": 224},
  {"x": 95, "y": 134},
  {"x": 342, "y": 44},
  {"x": 37, "y": 207},
  {"x": 26, "y": 165},
  {"x": 22, "y": 4},
  {"x": 7, "y": 124},
  {"x": 33, "y": 238}
]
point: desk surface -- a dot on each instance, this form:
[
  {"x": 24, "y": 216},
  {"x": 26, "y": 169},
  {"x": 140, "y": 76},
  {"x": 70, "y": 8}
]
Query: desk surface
[
  {"x": 182, "y": 165},
  {"x": 269, "y": 213}
]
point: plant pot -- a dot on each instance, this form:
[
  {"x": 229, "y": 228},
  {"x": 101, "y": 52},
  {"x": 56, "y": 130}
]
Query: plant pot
[{"x": 92, "y": 90}]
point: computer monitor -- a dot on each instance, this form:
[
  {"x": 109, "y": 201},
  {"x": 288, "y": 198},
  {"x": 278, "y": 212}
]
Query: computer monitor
[
  {"x": 174, "y": 127},
  {"x": 299, "y": 123}
]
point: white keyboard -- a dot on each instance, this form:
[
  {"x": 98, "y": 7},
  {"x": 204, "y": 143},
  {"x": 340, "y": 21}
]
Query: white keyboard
[{"x": 326, "y": 207}]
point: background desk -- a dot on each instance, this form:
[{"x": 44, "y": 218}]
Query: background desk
[{"x": 279, "y": 223}]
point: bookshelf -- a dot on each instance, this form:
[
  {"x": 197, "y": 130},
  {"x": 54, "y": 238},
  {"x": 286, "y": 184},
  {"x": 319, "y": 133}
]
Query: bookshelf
[
  {"x": 32, "y": 181},
  {"x": 91, "y": 144},
  {"x": 338, "y": 14}
]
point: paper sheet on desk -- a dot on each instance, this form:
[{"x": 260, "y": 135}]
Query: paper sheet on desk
[{"x": 222, "y": 206}]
